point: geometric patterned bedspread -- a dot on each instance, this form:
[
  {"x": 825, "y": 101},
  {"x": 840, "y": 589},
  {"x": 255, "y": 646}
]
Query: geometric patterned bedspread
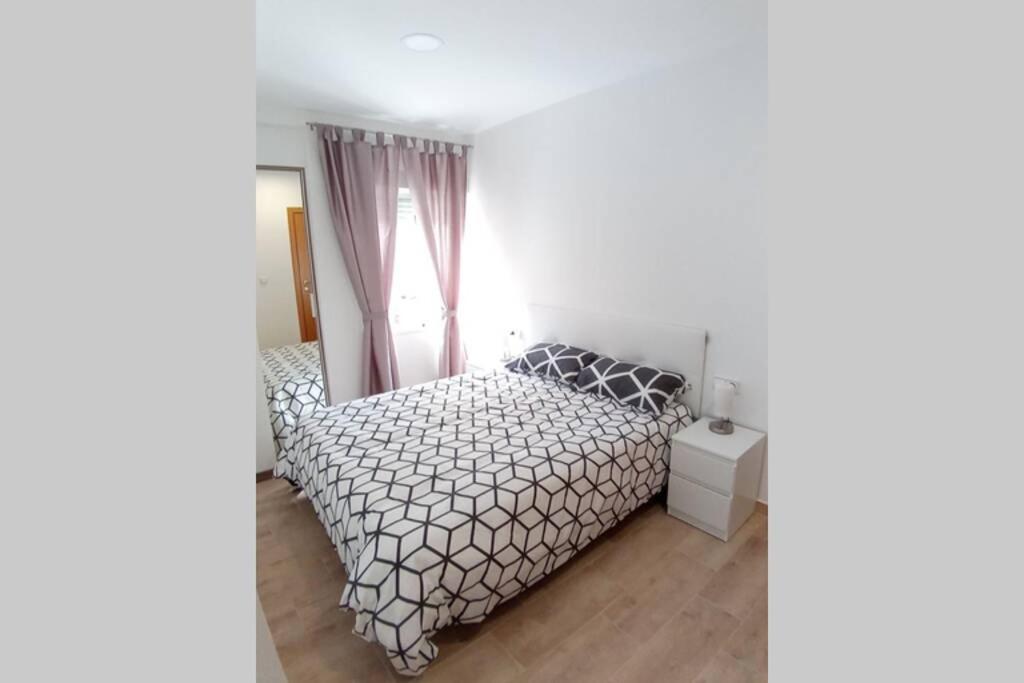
[
  {"x": 294, "y": 386},
  {"x": 445, "y": 499}
]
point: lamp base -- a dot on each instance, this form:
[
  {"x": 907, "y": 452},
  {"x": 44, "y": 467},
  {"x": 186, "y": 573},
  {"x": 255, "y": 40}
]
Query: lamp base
[{"x": 721, "y": 426}]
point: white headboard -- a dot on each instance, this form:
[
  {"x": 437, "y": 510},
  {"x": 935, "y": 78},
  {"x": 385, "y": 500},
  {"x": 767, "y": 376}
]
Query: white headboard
[{"x": 659, "y": 344}]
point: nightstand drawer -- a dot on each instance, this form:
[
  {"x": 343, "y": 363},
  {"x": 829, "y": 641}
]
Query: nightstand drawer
[
  {"x": 692, "y": 463},
  {"x": 702, "y": 504}
]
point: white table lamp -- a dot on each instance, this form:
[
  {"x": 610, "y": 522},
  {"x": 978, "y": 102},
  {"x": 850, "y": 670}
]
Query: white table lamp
[
  {"x": 514, "y": 345},
  {"x": 721, "y": 406}
]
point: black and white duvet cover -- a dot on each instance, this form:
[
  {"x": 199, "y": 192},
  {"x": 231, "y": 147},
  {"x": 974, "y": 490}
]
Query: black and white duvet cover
[
  {"x": 446, "y": 499},
  {"x": 294, "y": 386}
]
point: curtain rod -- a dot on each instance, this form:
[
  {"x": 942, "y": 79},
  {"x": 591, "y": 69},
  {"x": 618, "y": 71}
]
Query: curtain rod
[{"x": 374, "y": 132}]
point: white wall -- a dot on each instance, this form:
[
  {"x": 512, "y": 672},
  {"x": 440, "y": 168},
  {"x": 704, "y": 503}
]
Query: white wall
[
  {"x": 639, "y": 199},
  {"x": 418, "y": 355},
  {"x": 277, "y": 320},
  {"x": 283, "y": 139}
]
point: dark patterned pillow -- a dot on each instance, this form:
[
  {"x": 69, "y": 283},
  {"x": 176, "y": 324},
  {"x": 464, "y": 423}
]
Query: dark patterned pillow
[
  {"x": 548, "y": 359},
  {"x": 645, "y": 388}
]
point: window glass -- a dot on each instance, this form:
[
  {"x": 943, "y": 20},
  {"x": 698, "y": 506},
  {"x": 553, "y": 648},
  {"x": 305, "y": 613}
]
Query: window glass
[{"x": 415, "y": 299}]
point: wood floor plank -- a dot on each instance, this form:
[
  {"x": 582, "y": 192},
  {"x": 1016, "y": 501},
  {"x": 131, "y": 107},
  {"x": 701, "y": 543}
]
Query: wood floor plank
[
  {"x": 585, "y": 655},
  {"x": 556, "y": 608},
  {"x": 715, "y": 553},
  {"x": 485, "y": 661},
  {"x": 743, "y": 580},
  {"x": 749, "y": 644},
  {"x": 642, "y": 545},
  {"x": 725, "y": 669},
  {"x": 656, "y": 592},
  {"x": 638, "y": 588},
  {"x": 333, "y": 654},
  {"x": 681, "y": 649}
]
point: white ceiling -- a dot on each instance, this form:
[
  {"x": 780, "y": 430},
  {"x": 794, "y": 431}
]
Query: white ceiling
[{"x": 502, "y": 58}]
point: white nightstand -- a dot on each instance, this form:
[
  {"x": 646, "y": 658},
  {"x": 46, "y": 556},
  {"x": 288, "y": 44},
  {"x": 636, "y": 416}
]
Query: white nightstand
[{"x": 714, "y": 478}]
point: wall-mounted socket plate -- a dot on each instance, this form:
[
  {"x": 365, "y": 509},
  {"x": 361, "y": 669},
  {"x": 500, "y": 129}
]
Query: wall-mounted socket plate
[{"x": 718, "y": 378}]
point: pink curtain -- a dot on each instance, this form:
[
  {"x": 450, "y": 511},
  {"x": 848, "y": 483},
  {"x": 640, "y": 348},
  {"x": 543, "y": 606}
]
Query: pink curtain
[
  {"x": 362, "y": 192},
  {"x": 437, "y": 181},
  {"x": 385, "y": 168}
]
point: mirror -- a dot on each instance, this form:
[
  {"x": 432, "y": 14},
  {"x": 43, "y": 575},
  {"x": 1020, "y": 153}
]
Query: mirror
[{"x": 287, "y": 326}]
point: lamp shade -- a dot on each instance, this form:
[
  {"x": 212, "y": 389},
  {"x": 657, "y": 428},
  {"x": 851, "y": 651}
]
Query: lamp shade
[
  {"x": 514, "y": 345},
  {"x": 722, "y": 400}
]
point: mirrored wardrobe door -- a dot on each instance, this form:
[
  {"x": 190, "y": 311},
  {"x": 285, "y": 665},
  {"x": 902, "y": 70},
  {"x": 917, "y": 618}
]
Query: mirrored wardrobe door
[{"x": 287, "y": 326}]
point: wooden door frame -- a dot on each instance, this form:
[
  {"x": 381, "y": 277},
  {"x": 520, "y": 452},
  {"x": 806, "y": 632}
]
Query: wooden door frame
[
  {"x": 312, "y": 266},
  {"x": 300, "y": 292}
]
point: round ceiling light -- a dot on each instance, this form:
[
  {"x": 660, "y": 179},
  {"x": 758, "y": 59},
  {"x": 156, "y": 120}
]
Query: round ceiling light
[{"x": 422, "y": 42}]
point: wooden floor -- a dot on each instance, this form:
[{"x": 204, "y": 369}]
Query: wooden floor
[{"x": 653, "y": 600}]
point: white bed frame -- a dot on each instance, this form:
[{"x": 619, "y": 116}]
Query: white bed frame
[{"x": 666, "y": 346}]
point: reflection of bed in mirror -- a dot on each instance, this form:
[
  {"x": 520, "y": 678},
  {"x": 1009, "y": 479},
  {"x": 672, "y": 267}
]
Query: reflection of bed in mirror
[
  {"x": 287, "y": 327},
  {"x": 294, "y": 385}
]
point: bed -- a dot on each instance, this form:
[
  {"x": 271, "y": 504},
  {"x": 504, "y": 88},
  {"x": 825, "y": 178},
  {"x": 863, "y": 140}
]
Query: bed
[
  {"x": 294, "y": 386},
  {"x": 446, "y": 499}
]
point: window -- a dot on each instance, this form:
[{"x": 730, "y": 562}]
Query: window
[{"x": 415, "y": 299}]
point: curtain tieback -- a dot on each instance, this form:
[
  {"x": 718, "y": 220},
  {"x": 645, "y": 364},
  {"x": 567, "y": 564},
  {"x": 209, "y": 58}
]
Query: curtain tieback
[
  {"x": 367, "y": 317},
  {"x": 450, "y": 313}
]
